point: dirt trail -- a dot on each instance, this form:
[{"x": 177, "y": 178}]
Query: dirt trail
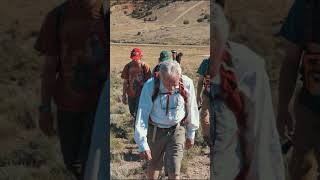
[{"x": 184, "y": 13}]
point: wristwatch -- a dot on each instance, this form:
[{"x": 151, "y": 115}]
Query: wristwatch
[{"x": 44, "y": 108}]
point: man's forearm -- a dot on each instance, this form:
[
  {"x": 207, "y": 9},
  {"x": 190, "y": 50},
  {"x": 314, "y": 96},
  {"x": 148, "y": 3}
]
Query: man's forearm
[
  {"x": 288, "y": 76},
  {"x": 199, "y": 87},
  {"x": 47, "y": 88},
  {"x": 124, "y": 87}
]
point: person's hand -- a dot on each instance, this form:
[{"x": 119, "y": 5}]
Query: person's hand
[
  {"x": 46, "y": 123},
  {"x": 199, "y": 100},
  {"x": 189, "y": 143},
  {"x": 124, "y": 99},
  {"x": 146, "y": 155},
  {"x": 284, "y": 130}
]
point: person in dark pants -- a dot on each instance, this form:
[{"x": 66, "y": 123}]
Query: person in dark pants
[
  {"x": 72, "y": 39},
  {"x": 134, "y": 75}
]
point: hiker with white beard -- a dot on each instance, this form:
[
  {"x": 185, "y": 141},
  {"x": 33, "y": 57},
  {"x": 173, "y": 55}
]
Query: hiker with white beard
[
  {"x": 243, "y": 134},
  {"x": 167, "y": 118}
]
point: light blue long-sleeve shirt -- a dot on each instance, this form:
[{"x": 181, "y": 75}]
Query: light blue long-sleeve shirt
[
  {"x": 97, "y": 166},
  {"x": 157, "y": 111}
]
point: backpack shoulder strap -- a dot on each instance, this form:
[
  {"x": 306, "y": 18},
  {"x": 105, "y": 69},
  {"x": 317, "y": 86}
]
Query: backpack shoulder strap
[
  {"x": 59, "y": 13},
  {"x": 156, "y": 88},
  {"x": 143, "y": 65},
  {"x": 183, "y": 91},
  {"x": 156, "y": 70},
  {"x": 144, "y": 70}
]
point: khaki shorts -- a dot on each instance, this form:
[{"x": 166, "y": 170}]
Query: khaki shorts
[
  {"x": 168, "y": 144},
  {"x": 204, "y": 118}
]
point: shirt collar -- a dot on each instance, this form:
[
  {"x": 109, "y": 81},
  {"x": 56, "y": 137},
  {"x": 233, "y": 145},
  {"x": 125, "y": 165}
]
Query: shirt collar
[{"x": 162, "y": 89}]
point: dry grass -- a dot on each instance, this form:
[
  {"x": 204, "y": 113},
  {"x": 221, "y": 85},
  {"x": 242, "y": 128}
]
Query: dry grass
[{"x": 164, "y": 30}]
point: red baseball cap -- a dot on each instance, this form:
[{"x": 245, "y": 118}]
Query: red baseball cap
[{"x": 136, "y": 54}]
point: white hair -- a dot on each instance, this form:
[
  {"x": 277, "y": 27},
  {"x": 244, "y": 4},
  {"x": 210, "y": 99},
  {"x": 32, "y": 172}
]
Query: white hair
[
  {"x": 219, "y": 23},
  {"x": 170, "y": 68}
]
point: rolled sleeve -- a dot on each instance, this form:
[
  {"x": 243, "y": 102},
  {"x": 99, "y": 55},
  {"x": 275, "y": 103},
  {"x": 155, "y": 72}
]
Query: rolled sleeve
[{"x": 144, "y": 110}]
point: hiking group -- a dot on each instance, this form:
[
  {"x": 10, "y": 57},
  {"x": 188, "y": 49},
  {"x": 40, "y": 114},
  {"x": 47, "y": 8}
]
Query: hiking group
[
  {"x": 234, "y": 99},
  {"x": 247, "y": 140},
  {"x": 233, "y": 94}
]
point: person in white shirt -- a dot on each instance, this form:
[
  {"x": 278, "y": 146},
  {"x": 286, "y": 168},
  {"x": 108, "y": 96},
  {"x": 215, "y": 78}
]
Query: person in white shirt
[
  {"x": 167, "y": 118},
  {"x": 243, "y": 134}
]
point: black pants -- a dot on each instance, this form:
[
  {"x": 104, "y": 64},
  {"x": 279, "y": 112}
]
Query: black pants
[
  {"x": 133, "y": 107},
  {"x": 75, "y": 129}
]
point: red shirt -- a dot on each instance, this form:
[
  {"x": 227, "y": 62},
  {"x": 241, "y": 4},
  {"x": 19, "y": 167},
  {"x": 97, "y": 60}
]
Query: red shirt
[
  {"x": 136, "y": 75},
  {"x": 82, "y": 52}
]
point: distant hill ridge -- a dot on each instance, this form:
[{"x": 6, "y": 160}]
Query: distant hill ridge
[{"x": 142, "y": 8}]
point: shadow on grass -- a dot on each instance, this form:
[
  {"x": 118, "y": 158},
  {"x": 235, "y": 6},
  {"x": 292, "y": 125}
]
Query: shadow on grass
[
  {"x": 129, "y": 156},
  {"x": 119, "y": 131}
]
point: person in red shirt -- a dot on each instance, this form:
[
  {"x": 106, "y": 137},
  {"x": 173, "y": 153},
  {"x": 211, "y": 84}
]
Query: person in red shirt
[
  {"x": 134, "y": 75},
  {"x": 73, "y": 41}
]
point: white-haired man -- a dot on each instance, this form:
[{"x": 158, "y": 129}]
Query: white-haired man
[
  {"x": 245, "y": 142},
  {"x": 167, "y": 114}
]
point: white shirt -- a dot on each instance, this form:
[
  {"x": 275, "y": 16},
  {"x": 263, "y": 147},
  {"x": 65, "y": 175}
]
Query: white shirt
[
  {"x": 262, "y": 132},
  {"x": 157, "y": 111}
]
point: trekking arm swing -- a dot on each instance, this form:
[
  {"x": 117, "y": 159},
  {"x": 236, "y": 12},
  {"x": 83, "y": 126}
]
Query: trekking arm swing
[
  {"x": 124, "y": 91},
  {"x": 199, "y": 90},
  {"x": 48, "y": 86},
  {"x": 288, "y": 77},
  {"x": 48, "y": 79}
]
